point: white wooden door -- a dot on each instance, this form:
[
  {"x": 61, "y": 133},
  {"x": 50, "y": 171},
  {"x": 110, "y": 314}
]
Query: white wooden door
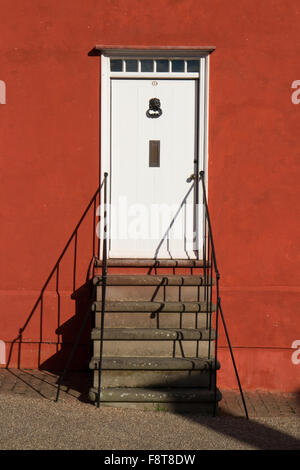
[{"x": 153, "y": 154}]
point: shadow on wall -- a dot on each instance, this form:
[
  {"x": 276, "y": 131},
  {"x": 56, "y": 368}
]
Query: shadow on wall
[
  {"x": 49, "y": 327},
  {"x": 68, "y": 332}
]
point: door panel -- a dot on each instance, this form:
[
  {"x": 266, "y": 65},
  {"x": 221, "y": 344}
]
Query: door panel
[{"x": 152, "y": 198}]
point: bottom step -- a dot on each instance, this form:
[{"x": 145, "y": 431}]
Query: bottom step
[{"x": 175, "y": 400}]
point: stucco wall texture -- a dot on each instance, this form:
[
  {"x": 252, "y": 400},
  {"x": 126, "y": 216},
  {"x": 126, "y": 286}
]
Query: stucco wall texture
[{"x": 49, "y": 147}]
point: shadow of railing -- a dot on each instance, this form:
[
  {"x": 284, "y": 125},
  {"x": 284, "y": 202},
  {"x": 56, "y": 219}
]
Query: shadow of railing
[
  {"x": 55, "y": 281},
  {"x": 166, "y": 236},
  {"x": 257, "y": 433}
]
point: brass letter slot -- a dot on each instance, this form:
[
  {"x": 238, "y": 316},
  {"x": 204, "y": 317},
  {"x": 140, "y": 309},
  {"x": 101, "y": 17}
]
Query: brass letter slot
[{"x": 154, "y": 153}]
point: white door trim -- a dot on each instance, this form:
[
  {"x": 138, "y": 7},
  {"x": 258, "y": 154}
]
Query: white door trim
[{"x": 105, "y": 111}]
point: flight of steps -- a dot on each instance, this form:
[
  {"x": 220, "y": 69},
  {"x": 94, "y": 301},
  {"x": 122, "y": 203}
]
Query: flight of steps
[{"x": 158, "y": 343}]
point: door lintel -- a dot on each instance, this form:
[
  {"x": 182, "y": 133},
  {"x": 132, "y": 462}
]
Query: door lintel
[{"x": 178, "y": 51}]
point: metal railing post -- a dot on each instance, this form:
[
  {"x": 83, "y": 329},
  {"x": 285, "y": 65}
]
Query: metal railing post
[
  {"x": 218, "y": 304},
  {"x": 103, "y": 296}
]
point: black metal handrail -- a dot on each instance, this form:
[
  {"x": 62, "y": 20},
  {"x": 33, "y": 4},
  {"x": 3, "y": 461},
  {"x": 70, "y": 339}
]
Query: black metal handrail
[
  {"x": 92, "y": 298},
  {"x": 104, "y": 277},
  {"x": 210, "y": 270},
  {"x": 210, "y": 265}
]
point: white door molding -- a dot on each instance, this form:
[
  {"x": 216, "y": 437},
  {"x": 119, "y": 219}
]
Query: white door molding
[{"x": 105, "y": 109}]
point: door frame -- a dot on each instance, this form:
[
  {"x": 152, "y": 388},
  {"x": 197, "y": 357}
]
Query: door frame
[{"x": 198, "y": 53}]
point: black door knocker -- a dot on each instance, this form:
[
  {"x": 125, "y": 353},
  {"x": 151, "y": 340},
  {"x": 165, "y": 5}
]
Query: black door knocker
[{"x": 154, "y": 110}]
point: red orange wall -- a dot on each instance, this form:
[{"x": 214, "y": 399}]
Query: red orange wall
[{"x": 49, "y": 144}]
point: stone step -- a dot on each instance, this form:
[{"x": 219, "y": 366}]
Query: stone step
[
  {"x": 167, "y": 395},
  {"x": 141, "y": 334},
  {"x": 152, "y": 306},
  {"x": 154, "y": 363},
  {"x": 155, "y": 293},
  {"x": 153, "y": 320},
  {"x": 153, "y": 280},
  {"x": 153, "y": 263},
  {"x": 154, "y": 348},
  {"x": 158, "y": 348},
  {"x": 154, "y": 378},
  {"x": 201, "y": 409}
]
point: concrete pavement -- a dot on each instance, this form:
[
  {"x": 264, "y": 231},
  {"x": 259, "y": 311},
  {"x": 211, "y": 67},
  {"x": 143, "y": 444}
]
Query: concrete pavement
[{"x": 30, "y": 419}]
